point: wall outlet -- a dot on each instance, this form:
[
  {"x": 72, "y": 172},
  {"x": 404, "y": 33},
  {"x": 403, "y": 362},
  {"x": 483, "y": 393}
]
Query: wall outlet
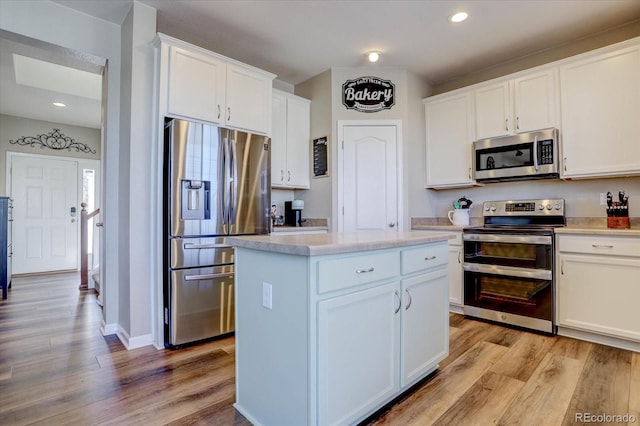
[
  {"x": 603, "y": 198},
  {"x": 267, "y": 295}
]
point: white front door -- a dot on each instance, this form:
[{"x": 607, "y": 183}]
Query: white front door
[
  {"x": 45, "y": 229},
  {"x": 369, "y": 177}
]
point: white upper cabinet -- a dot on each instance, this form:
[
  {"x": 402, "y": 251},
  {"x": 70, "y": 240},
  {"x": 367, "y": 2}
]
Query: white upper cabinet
[
  {"x": 449, "y": 134},
  {"x": 291, "y": 120},
  {"x": 493, "y": 110},
  {"x": 196, "y": 85},
  {"x": 600, "y": 97},
  {"x": 517, "y": 105},
  {"x": 200, "y": 85},
  {"x": 248, "y": 103}
]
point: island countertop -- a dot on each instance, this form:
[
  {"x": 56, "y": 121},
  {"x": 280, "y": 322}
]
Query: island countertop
[{"x": 337, "y": 242}]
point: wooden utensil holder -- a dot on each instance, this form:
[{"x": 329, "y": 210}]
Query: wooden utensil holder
[{"x": 618, "y": 222}]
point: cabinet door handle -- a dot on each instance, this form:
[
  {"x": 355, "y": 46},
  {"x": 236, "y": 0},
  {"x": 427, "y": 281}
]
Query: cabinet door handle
[
  {"x": 281, "y": 175},
  {"x": 288, "y": 175},
  {"x": 469, "y": 172},
  {"x": 562, "y": 268},
  {"x": 506, "y": 124},
  {"x": 517, "y": 123},
  {"x": 229, "y": 115},
  {"x": 364, "y": 271},
  {"x": 399, "y": 302},
  {"x": 430, "y": 258},
  {"x": 565, "y": 163},
  {"x": 605, "y": 246},
  {"x": 408, "y": 294},
  {"x": 459, "y": 258},
  {"x": 219, "y": 111}
]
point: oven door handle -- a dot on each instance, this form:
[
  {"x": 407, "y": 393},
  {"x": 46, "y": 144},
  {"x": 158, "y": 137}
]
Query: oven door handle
[
  {"x": 507, "y": 238},
  {"x": 540, "y": 274}
]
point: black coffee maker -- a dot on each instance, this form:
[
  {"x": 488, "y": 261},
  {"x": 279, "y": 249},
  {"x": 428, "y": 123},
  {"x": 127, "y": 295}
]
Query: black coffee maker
[{"x": 293, "y": 212}]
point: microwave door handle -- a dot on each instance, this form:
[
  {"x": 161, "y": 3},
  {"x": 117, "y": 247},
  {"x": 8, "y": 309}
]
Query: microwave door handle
[{"x": 535, "y": 153}]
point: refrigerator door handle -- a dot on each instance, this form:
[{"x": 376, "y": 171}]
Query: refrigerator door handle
[
  {"x": 193, "y": 246},
  {"x": 197, "y": 277},
  {"x": 226, "y": 196},
  {"x": 233, "y": 186}
]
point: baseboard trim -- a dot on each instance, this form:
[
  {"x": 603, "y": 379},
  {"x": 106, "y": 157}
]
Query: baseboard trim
[
  {"x": 108, "y": 329},
  {"x": 134, "y": 342}
]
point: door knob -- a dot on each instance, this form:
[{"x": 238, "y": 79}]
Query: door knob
[
  {"x": 100, "y": 224},
  {"x": 392, "y": 224}
]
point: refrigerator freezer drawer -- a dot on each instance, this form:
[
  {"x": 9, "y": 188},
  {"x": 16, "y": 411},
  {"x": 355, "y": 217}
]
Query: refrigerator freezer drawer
[
  {"x": 195, "y": 252},
  {"x": 201, "y": 304}
]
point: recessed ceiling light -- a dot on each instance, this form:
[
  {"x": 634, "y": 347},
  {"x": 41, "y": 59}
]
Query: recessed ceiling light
[
  {"x": 458, "y": 17},
  {"x": 373, "y": 56},
  {"x": 59, "y": 104}
]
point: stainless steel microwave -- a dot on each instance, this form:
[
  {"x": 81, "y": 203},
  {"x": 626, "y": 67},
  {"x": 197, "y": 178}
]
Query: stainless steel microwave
[{"x": 524, "y": 156}]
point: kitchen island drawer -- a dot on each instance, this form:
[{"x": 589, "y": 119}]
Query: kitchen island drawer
[
  {"x": 423, "y": 258},
  {"x": 616, "y": 246},
  {"x": 344, "y": 272}
]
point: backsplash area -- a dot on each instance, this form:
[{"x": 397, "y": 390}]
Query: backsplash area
[{"x": 582, "y": 197}]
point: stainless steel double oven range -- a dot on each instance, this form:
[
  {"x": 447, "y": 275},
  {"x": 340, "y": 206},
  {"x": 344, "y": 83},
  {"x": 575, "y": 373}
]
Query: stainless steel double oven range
[{"x": 509, "y": 263}]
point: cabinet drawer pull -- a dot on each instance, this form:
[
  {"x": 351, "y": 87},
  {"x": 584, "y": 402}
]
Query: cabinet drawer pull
[
  {"x": 408, "y": 294},
  {"x": 399, "y": 302},
  {"x": 607, "y": 246},
  {"x": 364, "y": 271},
  {"x": 459, "y": 257},
  {"x": 430, "y": 258}
]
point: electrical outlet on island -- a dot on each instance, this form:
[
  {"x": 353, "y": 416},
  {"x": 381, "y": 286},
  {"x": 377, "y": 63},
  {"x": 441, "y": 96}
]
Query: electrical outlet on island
[{"x": 603, "y": 198}]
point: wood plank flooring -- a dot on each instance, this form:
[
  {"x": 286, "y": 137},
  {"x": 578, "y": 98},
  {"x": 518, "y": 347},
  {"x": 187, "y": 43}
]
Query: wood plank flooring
[{"x": 57, "y": 369}]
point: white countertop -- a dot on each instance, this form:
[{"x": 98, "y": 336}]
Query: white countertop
[
  {"x": 285, "y": 229},
  {"x": 337, "y": 242},
  {"x": 597, "y": 230}
]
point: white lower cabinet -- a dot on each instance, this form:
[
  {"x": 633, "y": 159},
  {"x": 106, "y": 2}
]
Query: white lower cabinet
[
  {"x": 357, "y": 368},
  {"x": 425, "y": 325},
  {"x": 456, "y": 275},
  {"x": 345, "y": 334},
  {"x": 598, "y": 288}
]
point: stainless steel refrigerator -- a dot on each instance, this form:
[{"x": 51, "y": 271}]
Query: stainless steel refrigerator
[{"x": 217, "y": 183}]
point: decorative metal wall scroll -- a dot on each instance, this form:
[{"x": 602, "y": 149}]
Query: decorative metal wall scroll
[
  {"x": 368, "y": 94},
  {"x": 54, "y": 140}
]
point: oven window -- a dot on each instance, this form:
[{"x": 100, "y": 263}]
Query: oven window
[
  {"x": 521, "y": 296},
  {"x": 520, "y": 255},
  {"x": 505, "y": 157}
]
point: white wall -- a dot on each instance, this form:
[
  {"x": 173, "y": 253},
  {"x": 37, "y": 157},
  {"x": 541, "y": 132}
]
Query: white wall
[
  {"x": 129, "y": 286},
  {"x": 137, "y": 284},
  {"x": 12, "y": 128},
  {"x": 325, "y": 91},
  {"x": 53, "y": 23},
  {"x": 582, "y": 196}
]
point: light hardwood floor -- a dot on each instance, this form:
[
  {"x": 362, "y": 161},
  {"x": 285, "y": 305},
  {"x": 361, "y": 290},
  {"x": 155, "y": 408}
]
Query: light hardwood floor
[{"x": 57, "y": 369}]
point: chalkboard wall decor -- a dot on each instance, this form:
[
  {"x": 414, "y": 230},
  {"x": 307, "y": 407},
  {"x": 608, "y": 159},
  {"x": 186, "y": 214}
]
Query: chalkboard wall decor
[
  {"x": 320, "y": 157},
  {"x": 368, "y": 94}
]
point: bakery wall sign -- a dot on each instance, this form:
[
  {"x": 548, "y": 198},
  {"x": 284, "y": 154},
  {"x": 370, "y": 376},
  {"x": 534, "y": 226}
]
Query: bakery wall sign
[{"x": 368, "y": 94}]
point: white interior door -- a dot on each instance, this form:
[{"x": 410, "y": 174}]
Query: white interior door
[
  {"x": 45, "y": 231},
  {"x": 369, "y": 177}
]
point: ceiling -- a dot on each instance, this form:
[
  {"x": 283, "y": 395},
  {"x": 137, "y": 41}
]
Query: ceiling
[{"x": 298, "y": 39}]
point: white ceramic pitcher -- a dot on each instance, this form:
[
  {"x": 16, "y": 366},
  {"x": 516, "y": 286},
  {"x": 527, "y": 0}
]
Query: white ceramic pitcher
[{"x": 459, "y": 217}]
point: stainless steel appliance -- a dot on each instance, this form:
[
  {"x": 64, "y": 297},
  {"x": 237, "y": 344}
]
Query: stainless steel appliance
[
  {"x": 217, "y": 183},
  {"x": 523, "y": 156},
  {"x": 509, "y": 263}
]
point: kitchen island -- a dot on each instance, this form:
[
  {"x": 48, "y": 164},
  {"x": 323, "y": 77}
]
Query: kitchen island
[{"x": 330, "y": 327}]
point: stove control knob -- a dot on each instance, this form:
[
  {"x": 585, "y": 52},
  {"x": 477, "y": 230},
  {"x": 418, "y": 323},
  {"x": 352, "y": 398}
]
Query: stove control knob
[
  {"x": 557, "y": 206},
  {"x": 540, "y": 207},
  {"x": 548, "y": 206},
  {"x": 486, "y": 209},
  {"x": 493, "y": 208}
]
